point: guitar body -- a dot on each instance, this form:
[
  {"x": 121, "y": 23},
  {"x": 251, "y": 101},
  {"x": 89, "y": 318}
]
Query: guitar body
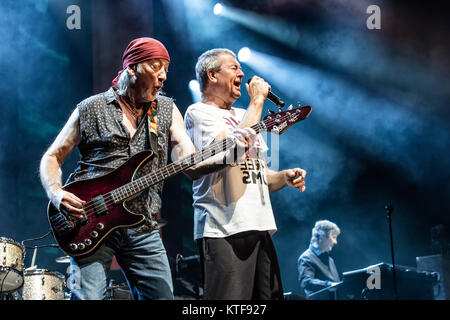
[{"x": 85, "y": 237}]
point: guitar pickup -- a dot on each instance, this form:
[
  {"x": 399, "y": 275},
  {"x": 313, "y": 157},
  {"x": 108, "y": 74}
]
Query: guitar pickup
[{"x": 99, "y": 205}]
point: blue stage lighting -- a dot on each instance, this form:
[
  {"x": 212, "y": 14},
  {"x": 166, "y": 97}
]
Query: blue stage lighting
[
  {"x": 194, "y": 87},
  {"x": 218, "y": 8},
  {"x": 244, "y": 54}
]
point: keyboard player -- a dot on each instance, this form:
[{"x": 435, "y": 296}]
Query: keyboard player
[{"x": 316, "y": 269}]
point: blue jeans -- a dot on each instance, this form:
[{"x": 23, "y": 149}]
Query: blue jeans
[{"x": 143, "y": 260}]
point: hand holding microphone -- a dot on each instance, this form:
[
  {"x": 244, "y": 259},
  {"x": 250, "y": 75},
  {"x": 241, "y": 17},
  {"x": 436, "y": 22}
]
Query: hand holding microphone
[{"x": 272, "y": 97}]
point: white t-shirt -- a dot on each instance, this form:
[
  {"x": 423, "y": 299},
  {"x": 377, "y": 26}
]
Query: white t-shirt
[{"x": 234, "y": 199}]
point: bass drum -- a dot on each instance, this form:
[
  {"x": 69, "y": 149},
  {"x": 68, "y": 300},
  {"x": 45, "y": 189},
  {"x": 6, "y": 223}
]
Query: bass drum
[
  {"x": 12, "y": 256},
  {"x": 42, "y": 284}
]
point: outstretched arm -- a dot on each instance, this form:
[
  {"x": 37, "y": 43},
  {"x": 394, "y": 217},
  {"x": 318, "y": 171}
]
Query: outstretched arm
[{"x": 294, "y": 178}]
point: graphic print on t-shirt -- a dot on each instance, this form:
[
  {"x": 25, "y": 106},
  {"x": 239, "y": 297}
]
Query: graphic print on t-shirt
[
  {"x": 253, "y": 171},
  {"x": 230, "y": 187}
]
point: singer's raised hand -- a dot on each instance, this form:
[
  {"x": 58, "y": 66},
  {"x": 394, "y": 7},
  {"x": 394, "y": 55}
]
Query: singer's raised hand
[
  {"x": 270, "y": 95},
  {"x": 257, "y": 88}
]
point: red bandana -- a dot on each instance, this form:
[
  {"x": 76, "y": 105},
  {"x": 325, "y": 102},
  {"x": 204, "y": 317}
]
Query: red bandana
[{"x": 140, "y": 50}]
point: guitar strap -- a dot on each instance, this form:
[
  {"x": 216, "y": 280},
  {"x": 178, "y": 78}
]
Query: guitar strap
[{"x": 152, "y": 123}]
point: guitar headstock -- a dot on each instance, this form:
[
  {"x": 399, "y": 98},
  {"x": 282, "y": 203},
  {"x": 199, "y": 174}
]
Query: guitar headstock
[{"x": 278, "y": 123}]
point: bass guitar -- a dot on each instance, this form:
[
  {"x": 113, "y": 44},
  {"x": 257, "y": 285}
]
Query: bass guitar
[{"x": 106, "y": 196}]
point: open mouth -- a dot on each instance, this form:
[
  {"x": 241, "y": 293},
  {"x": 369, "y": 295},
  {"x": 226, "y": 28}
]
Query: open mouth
[
  {"x": 237, "y": 84},
  {"x": 157, "y": 88}
]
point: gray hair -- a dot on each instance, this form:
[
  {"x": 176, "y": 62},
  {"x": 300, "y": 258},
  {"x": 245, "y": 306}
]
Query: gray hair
[
  {"x": 209, "y": 60},
  {"x": 322, "y": 229},
  {"x": 125, "y": 80},
  {"x": 123, "y": 83}
]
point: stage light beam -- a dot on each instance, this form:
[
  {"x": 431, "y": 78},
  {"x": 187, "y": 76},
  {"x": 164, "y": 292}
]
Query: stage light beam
[
  {"x": 194, "y": 87},
  {"x": 244, "y": 54},
  {"x": 218, "y": 9},
  {"x": 392, "y": 133}
]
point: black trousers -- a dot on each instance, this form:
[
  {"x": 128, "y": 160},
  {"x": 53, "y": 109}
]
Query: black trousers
[{"x": 240, "y": 267}]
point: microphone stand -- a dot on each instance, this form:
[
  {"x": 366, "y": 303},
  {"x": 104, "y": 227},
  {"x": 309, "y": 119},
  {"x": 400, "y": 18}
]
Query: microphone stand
[{"x": 389, "y": 210}]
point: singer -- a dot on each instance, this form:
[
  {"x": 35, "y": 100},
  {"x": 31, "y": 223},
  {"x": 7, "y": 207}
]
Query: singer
[{"x": 233, "y": 218}]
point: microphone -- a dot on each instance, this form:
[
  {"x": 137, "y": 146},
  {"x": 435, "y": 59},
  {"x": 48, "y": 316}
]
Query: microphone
[{"x": 272, "y": 97}]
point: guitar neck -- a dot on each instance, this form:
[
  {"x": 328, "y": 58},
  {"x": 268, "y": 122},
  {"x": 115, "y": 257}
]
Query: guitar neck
[{"x": 136, "y": 186}]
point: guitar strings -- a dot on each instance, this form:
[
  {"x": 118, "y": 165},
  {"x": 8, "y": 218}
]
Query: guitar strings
[
  {"x": 89, "y": 206},
  {"x": 89, "y": 210}
]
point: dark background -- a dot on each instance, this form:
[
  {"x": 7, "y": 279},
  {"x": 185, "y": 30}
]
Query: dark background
[{"x": 378, "y": 133}]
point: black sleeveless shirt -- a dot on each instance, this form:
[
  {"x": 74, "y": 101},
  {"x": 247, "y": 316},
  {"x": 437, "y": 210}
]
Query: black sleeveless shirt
[{"x": 106, "y": 144}]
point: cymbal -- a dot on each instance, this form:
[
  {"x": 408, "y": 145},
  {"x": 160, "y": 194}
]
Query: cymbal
[{"x": 63, "y": 259}]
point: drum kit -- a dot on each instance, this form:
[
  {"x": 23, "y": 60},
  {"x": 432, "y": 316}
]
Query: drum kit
[
  {"x": 33, "y": 283},
  {"x": 18, "y": 283}
]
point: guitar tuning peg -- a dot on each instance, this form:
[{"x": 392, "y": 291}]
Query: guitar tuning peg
[
  {"x": 299, "y": 104},
  {"x": 279, "y": 109},
  {"x": 290, "y": 107},
  {"x": 271, "y": 112}
]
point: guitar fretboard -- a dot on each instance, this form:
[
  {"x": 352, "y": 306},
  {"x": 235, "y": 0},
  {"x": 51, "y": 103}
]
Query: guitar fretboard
[{"x": 136, "y": 186}]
